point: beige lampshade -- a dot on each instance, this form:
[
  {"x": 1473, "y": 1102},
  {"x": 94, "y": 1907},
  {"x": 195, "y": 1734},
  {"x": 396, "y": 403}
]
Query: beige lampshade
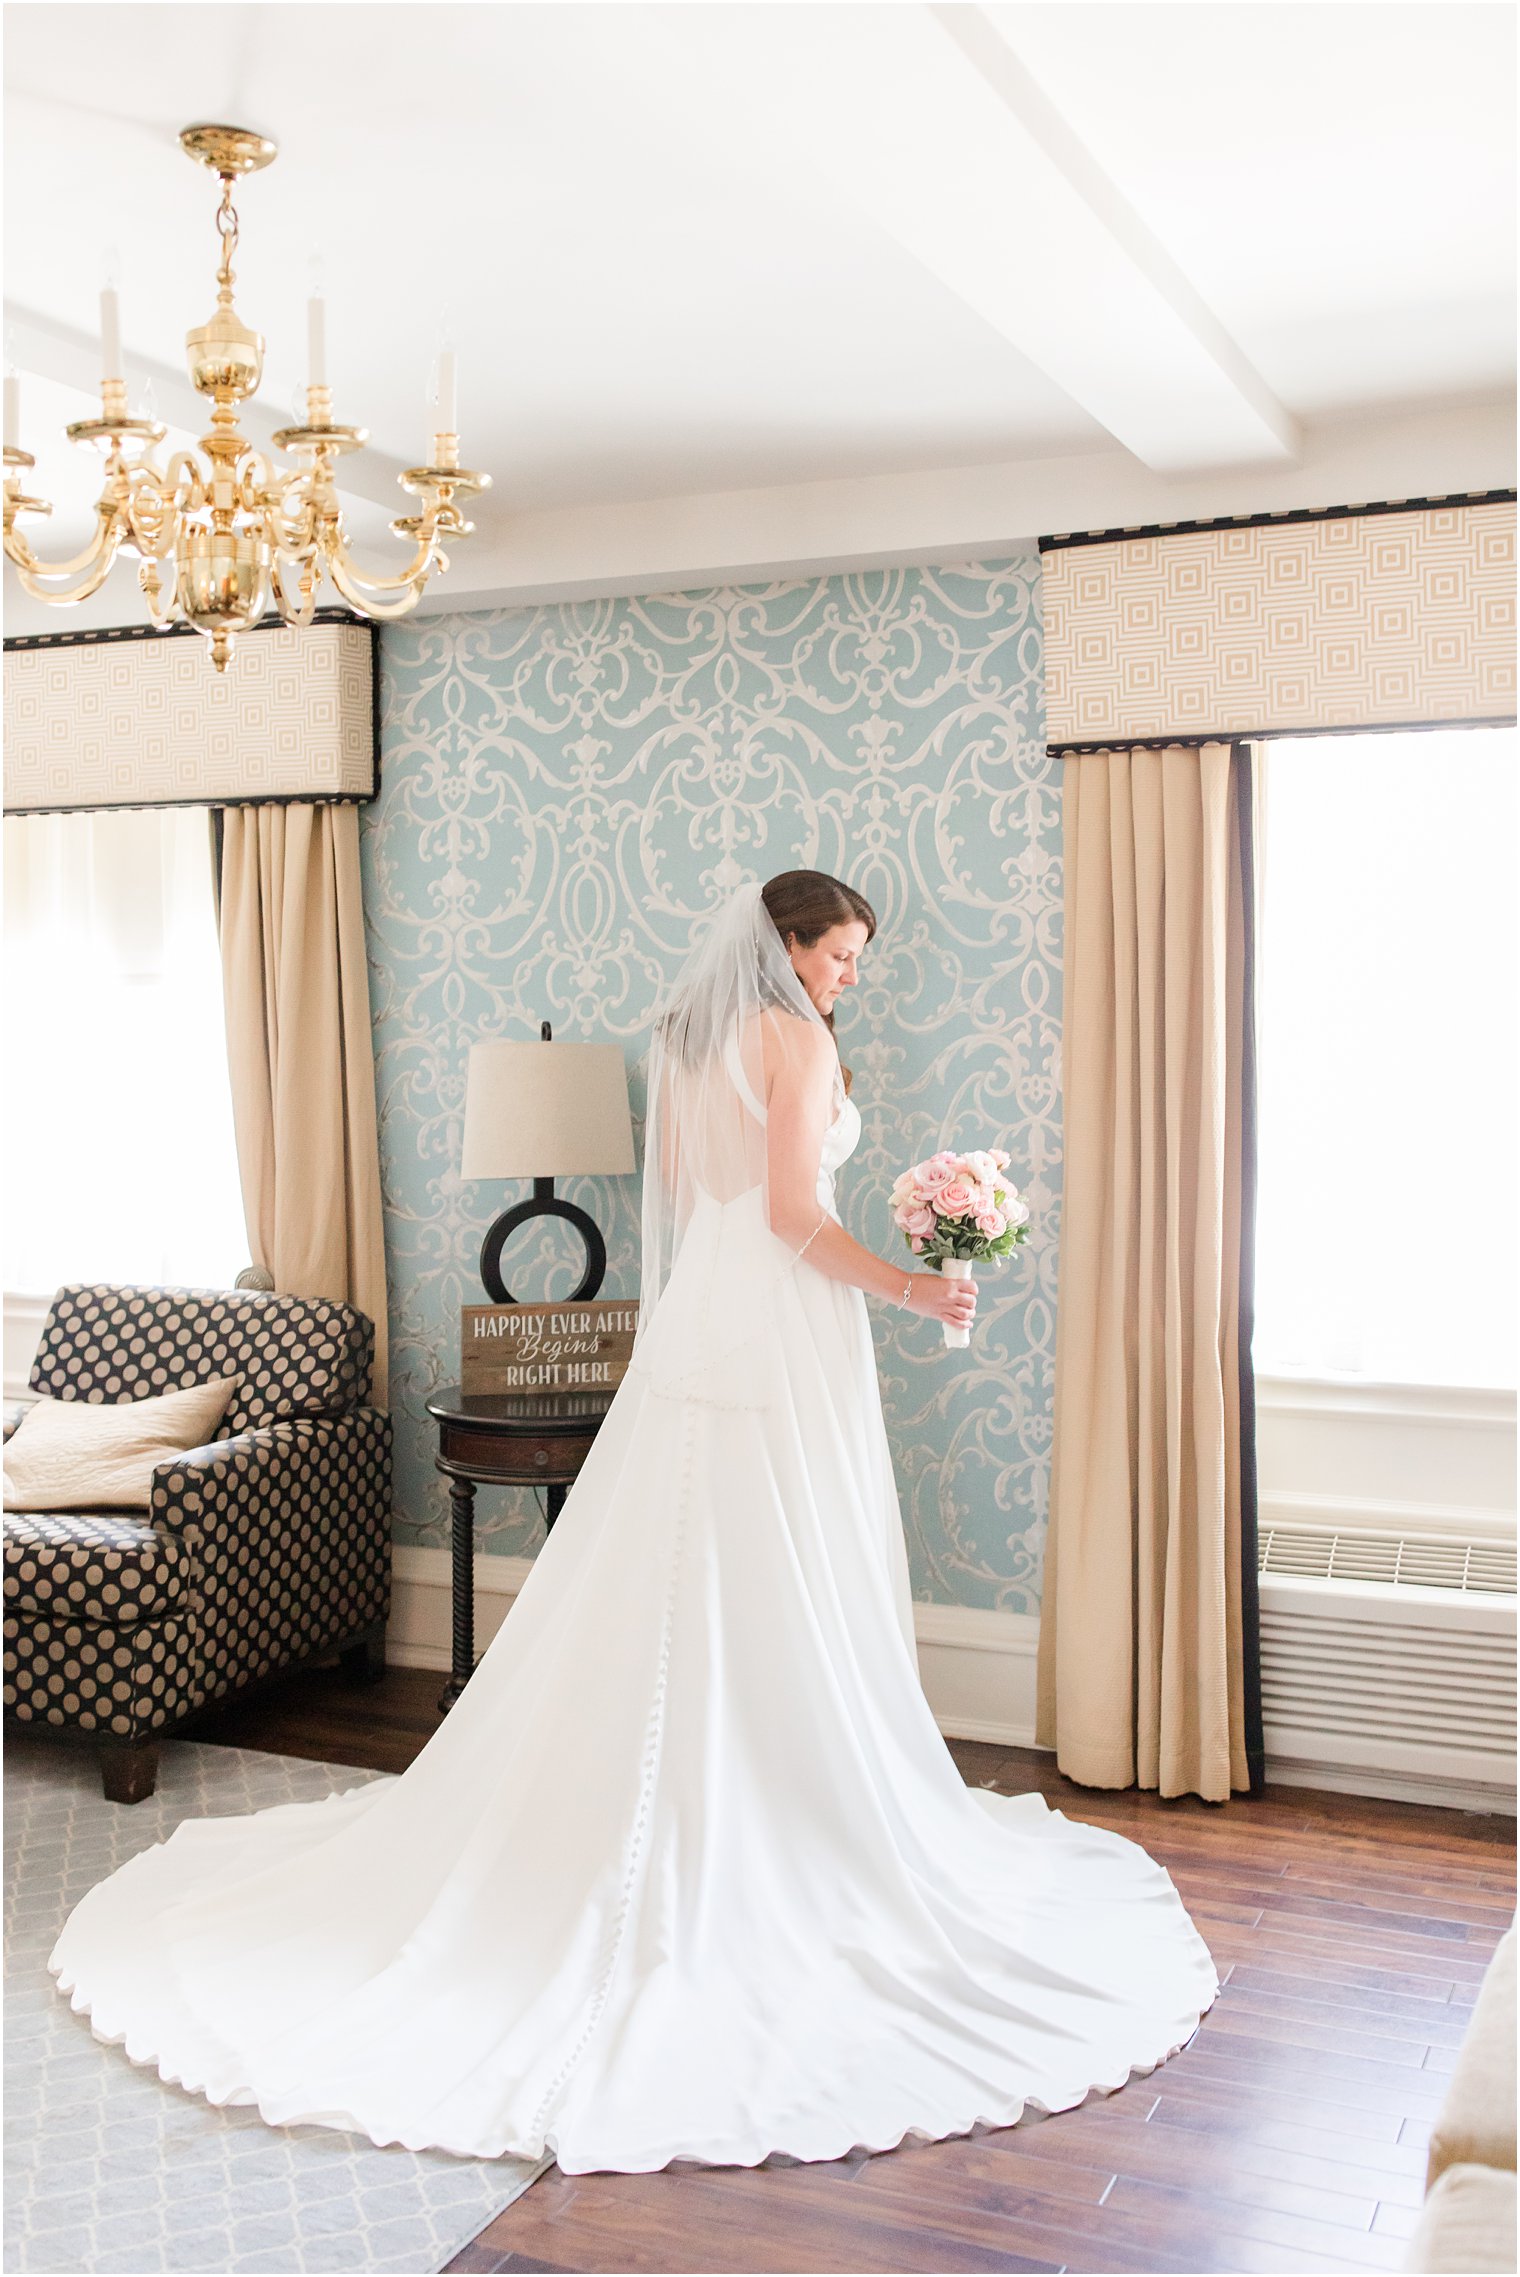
[{"x": 546, "y": 1111}]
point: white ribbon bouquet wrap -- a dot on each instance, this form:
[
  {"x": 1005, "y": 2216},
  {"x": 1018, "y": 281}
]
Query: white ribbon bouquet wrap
[{"x": 955, "y": 1210}]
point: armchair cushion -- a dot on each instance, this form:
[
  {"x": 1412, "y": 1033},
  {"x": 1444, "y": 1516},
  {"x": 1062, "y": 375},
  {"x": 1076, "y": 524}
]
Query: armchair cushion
[
  {"x": 96, "y": 1565},
  {"x": 292, "y": 1355}
]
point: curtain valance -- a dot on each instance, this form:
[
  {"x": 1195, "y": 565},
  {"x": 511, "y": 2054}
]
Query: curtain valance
[
  {"x": 1362, "y": 617},
  {"x": 129, "y": 718}
]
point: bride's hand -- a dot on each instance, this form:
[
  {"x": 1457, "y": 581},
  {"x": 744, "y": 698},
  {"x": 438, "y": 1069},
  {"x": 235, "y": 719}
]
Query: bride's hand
[{"x": 953, "y": 1302}]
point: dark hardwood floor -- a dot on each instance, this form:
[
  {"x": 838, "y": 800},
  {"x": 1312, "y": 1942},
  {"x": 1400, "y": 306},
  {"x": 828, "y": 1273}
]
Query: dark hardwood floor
[{"x": 1289, "y": 2135}]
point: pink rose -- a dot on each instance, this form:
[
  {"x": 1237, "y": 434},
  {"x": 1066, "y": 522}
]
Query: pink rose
[
  {"x": 954, "y": 1200},
  {"x": 990, "y": 1222},
  {"x": 934, "y": 1176},
  {"x": 920, "y": 1220},
  {"x": 916, "y": 1244}
]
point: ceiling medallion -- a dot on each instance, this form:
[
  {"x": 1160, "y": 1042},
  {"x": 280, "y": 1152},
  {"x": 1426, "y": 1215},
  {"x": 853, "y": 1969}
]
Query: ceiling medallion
[{"x": 234, "y": 532}]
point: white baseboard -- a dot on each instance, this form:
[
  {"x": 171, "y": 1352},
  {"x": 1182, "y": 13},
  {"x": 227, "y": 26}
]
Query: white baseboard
[
  {"x": 978, "y": 1672},
  {"x": 422, "y": 1602},
  {"x": 977, "y": 1668}
]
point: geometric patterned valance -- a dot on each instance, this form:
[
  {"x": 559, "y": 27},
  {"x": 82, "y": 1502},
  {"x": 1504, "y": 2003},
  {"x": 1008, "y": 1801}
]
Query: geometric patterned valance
[
  {"x": 1376, "y": 617},
  {"x": 131, "y": 718}
]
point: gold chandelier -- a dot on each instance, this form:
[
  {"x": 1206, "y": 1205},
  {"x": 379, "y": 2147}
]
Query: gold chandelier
[{"x": 236, "y": 533}]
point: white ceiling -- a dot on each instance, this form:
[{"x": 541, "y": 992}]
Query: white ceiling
[{"x": 713, "y": 248}]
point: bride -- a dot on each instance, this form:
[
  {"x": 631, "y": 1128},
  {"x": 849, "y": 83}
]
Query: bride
[{"x": 688, "y": 1872}]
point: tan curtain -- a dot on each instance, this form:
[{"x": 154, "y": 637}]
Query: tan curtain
[
  {"x": 1142, "y": 1673},
  {"x": 301, "y": 1058}
]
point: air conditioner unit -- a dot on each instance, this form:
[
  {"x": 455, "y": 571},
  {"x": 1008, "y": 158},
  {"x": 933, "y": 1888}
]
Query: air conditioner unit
[{"x": 1388, "y": 1665}]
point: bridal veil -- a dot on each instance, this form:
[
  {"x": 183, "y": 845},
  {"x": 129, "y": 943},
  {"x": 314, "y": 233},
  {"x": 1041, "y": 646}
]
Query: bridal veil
[{"x": 735, "y": 1020}]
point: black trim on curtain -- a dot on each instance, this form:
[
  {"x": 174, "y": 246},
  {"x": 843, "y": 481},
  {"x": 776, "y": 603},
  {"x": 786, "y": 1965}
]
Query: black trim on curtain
[
  {"x": 218, "y": 819},
  {"x": 1278, "y": 735},
  {"x": 1243, "y": 762},
  {"x": 1284, "y": 515},
  {"x": 88, "y": 636}
]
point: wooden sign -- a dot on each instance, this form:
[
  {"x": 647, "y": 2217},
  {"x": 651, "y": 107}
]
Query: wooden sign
[{"x": 563, "y": 1347}]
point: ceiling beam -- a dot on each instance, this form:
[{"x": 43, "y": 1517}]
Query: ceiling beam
[
  {"x": 923, "y": 116},
  {"x": 1101, "y": 243}
]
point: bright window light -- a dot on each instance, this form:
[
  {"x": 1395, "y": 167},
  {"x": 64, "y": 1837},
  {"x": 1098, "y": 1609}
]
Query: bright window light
[
  {"x": 1386, "y": 1219},
  {"x": 120, "y": 1161}
]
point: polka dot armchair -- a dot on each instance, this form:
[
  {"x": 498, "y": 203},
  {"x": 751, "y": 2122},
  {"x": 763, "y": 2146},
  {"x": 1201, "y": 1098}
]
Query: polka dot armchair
[{"x": 264, "y": 1549}]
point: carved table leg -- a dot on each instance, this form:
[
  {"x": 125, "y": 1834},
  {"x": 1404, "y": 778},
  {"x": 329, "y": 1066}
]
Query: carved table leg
[{"x": 462, "y": 1503}]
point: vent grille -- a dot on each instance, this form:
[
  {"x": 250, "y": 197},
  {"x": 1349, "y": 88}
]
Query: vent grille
[
  {"x": 1419, "y": 1561},
  {"x": 1364, "y": 1687}
]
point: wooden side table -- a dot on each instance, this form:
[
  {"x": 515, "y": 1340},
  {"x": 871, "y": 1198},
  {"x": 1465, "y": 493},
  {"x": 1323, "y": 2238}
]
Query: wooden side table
[{"x": 503, "y": 1439}]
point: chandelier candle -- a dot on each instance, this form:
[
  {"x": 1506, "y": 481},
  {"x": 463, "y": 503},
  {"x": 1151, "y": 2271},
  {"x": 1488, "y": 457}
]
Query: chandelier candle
[
  {"x": 110, "y": 335},
  {"x": 316, "y": 342},
  {"x": 955, "y": 1210}
]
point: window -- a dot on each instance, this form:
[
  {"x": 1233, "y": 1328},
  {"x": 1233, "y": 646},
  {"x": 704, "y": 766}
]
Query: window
[
  {"x": 1386, "y": 1220},
  {"x": 120, "y": 1162}
]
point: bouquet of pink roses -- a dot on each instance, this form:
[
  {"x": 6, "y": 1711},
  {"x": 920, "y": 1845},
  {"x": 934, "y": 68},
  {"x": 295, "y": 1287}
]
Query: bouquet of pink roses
[{"x": 956, "y": 1209}]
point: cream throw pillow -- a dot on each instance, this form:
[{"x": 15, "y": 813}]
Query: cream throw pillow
[{"x": 77, "y": 1454}]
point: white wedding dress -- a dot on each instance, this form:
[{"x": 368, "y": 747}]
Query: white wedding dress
[{"x": 688, "y": 1872}]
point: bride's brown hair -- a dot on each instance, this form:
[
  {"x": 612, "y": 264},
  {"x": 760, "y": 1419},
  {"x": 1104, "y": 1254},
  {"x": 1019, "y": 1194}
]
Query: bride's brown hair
[{"x": 806, "y": 903}]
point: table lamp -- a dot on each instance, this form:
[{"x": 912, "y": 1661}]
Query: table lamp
[{"x": 545, "y": 1111}]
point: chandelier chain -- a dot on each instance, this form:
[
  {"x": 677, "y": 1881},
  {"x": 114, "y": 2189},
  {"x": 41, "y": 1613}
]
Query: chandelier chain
[{"x": 227, "y": 227}]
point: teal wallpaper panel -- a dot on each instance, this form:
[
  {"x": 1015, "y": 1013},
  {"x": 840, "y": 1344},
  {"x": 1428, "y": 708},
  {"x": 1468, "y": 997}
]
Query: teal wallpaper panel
[{"x": 567, "y": 791}]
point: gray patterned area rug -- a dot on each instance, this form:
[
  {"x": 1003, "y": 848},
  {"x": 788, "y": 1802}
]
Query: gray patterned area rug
[{"x": 108, "y": 2169}]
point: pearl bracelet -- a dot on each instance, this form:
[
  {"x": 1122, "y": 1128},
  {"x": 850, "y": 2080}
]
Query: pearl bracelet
[{"x": 813, "y": 1236}]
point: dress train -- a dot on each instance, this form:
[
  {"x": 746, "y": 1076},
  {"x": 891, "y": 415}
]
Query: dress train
[{"x": 688, "y": 1871}]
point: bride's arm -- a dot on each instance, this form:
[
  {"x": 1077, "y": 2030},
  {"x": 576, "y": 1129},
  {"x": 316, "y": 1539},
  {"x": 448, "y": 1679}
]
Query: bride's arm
[{"x": 800, "y": 1060}]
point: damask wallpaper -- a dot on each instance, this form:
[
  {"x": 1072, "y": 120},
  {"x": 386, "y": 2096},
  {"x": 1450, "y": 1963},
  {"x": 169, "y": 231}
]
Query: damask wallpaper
[{"x": 566, "y": 792}]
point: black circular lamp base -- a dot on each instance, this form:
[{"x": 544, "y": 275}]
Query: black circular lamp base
[{"x": 545, "y": 1204}]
